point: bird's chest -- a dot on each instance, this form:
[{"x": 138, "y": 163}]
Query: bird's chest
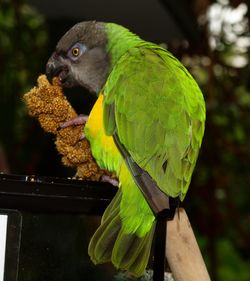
[{"x": 102, "y": 146}]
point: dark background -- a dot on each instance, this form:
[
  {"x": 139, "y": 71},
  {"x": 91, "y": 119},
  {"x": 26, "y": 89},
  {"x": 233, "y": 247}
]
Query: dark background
[{"x": 216, "y": 51}]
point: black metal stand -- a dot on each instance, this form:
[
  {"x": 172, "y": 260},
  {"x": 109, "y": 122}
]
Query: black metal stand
[
  {"x": 161, "y": 239},
  {"x": 46, "y": 194},
  {"x": 159, "y": 249}
]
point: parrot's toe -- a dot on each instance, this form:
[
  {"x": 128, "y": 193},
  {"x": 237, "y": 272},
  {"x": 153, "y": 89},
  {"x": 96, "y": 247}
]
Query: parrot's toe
[
  {"x": 79, "y": 120},
  {"x": 110, "y": 180},
  {"x": 82, "y": 136}
]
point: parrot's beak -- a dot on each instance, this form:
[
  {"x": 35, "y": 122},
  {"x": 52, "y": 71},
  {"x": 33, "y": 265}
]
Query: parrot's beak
[{"x": 55, "y": 67}]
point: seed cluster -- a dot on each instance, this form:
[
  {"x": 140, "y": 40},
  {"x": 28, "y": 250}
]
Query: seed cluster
[{"x": 47, "y": 103}]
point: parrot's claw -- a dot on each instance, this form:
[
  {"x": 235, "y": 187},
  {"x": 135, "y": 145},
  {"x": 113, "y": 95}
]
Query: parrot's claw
[
  {"x": 110, "y": 180},
  {"x": 79, "y": 120},
  {"x": 82, "y": 136}
]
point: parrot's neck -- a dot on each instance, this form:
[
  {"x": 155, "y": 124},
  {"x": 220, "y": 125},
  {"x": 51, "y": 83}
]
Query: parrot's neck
[{"x": 120, "y": 40}]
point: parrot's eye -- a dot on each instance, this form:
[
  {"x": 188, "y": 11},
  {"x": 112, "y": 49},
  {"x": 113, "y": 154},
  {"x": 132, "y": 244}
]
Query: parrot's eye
[{"x": 76, "y": 51}]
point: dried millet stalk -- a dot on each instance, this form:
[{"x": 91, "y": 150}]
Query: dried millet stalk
[{"x": 49, "y": 105}]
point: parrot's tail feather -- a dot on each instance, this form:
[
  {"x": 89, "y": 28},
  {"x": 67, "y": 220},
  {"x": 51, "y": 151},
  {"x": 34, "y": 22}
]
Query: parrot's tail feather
[
  {"x": 132, "y": 252},
  {"x": 101, "y": 244},
  {"x": 112, "y": 243},
  {"x": 113, "y": 206},
  {"x": 139, "y": 264}
]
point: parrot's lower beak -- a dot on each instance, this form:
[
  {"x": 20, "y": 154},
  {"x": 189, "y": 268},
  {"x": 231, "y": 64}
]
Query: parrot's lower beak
[{"x": 55, "y": 67}]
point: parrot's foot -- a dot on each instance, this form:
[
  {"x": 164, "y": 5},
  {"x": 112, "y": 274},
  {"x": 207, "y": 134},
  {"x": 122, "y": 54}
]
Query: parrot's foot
[
  {"x": 79, "y": 120},
  {"x": 110, "y": 180}
]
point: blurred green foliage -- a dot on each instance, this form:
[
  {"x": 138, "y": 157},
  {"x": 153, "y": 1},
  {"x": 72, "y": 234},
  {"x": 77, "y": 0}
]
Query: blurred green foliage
[
  {"x": 232, "y": 265},
  {"x": 220, "y": 190},
  {"x": 23, "y": 40}
]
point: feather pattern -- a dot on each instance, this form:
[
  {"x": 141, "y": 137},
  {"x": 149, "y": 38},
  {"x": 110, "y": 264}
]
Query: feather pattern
[{"x": 159, "y": 115}]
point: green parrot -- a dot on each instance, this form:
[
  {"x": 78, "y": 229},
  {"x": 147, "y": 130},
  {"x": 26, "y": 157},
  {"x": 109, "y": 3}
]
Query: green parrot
[{"x": 147, "y": 124}]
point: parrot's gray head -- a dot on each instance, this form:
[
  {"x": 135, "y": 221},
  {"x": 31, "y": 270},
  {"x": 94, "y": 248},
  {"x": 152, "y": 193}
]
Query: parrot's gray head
[{"x": 80, "y": 58}]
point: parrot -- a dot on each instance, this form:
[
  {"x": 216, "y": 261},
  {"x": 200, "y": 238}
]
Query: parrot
[{"x": 146, "y": 127}]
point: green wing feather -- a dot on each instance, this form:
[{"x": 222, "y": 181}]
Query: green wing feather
[{"x": 158, "y": 111}]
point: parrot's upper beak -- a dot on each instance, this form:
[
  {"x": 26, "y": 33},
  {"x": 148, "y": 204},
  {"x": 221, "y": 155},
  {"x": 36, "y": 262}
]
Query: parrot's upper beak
[{"x": 54, "y": 67}]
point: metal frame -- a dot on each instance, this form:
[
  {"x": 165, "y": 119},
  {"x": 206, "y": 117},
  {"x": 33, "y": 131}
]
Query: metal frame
[{"x": 49, "y": 195}]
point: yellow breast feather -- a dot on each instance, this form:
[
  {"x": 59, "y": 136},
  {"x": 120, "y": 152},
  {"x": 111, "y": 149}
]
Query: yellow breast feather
[{"x": 103, "y": 147}]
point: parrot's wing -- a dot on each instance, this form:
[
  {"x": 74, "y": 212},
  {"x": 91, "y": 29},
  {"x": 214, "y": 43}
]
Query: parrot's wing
[{"x": 158, "y": 112}]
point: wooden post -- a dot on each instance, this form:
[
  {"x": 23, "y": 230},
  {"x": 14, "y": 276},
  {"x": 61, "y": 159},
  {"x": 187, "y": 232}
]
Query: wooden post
[{"x": 182, "y": 251}]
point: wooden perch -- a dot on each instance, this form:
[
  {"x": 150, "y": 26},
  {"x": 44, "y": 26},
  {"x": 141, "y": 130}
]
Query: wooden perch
[{"x": 182, "y": 251}]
